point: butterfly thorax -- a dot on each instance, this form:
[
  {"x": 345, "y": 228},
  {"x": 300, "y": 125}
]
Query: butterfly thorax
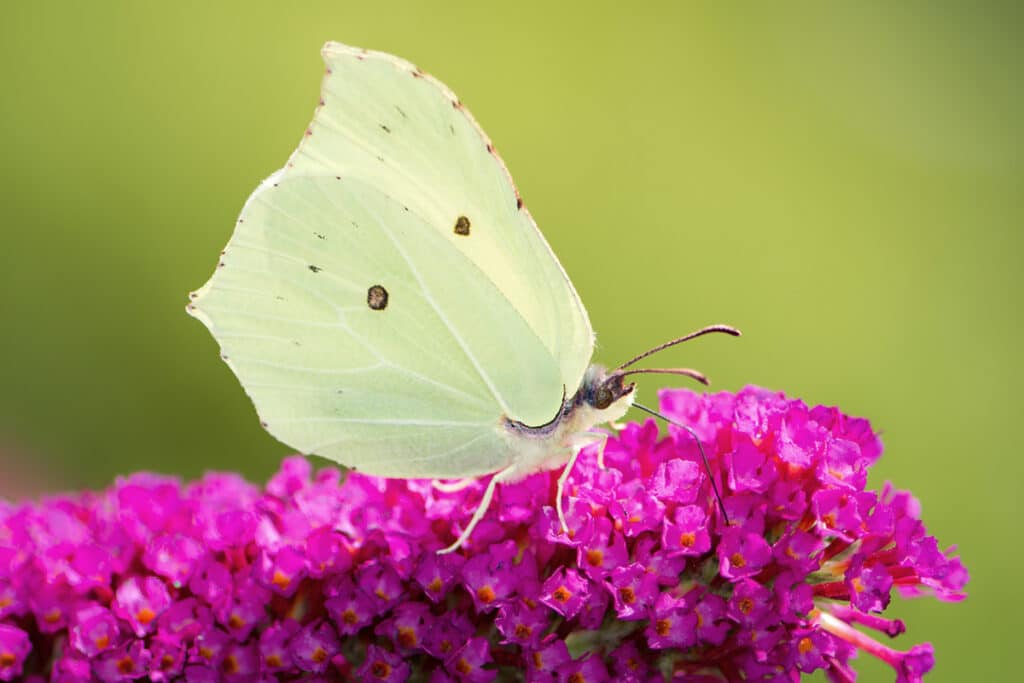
[{"x": 601, "y": 398}]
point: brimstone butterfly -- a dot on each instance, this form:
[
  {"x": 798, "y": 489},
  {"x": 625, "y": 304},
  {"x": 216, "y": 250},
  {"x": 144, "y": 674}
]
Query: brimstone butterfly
[{"x": 387, "y": 301}]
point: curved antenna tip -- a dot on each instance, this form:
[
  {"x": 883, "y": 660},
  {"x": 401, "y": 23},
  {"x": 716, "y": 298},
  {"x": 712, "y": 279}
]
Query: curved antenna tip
[
  {"x": 726, "y": 329},
  {"x": 686, "y": 372}
]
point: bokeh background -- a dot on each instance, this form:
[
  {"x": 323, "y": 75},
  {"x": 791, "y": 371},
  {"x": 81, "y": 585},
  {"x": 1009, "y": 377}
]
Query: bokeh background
[{"x": 842, "y": 182}]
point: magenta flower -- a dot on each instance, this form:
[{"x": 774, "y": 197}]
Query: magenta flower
[
  {"x": 14, "y": 647},
  {"x": 329, "y": 577},
  {"x": 139, "y": 601}
]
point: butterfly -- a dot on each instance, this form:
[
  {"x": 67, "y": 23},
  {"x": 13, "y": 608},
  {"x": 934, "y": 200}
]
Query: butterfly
[{"x": 387, "y": 301}]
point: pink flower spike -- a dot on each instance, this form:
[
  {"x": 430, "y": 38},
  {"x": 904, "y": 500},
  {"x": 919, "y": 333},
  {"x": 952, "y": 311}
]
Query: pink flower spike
[{"x": 319, "y": 576}]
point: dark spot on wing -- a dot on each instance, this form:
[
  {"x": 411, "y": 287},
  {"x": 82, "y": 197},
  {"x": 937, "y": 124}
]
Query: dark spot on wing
[
  {"x": 309, "y": 131},
  {"x": 462, "y": 226},
  {"x": 377, "y": 298},
  {"x": 490, "y": 148},
  {"x": 404, "y": 116},
  {"x": 279, "y": 298},
  {"x": 337, "y": 177},
  {"x": 456, "y": 104},
  {"x": 241, "y": 220},
  {"x": 451, "y": 128},
  {"x": 320, "y": 235},
  {"x": 380, "y": 159},
  {"x": 315, "y": 269},
  {"x": 519, "y": 202},
  {"x": 385, "y": 128}
]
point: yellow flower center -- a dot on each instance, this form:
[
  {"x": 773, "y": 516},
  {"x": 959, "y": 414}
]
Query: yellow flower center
[
  {"x": 486, "y": 595},
  {"x": 280, "y": 580},
  {"x": 406, "y": 636}
]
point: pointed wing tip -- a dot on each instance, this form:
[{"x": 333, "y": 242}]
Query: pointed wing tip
[{"x": 333, "y": 49}]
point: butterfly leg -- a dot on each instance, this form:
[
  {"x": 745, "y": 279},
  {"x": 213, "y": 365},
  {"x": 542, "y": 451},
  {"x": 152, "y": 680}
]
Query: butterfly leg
[
  {"x": 567, "y": 470},
  {"x": 613, "y": 429},
  {"x": 453, "y": 486},
  {"x": 600, "y": 449},
  {"x": 481, "y": 509}
]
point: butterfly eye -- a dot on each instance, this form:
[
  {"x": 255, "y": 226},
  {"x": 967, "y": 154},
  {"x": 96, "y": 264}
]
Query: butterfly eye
[{"x": 603, "y": 398}]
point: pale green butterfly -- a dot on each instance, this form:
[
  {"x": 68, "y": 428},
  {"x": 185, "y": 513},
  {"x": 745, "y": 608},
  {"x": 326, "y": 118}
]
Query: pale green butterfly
[{"x": 387, "y": 301}]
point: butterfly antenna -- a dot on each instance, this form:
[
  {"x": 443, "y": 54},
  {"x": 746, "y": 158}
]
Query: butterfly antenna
[
  {"x": 687, "y": 372},
  {"x": 700, "y": 447},
  {"x": 725, "y": 329}
]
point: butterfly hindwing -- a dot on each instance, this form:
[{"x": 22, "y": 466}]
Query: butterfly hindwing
[{"x": 415, "y": 385}]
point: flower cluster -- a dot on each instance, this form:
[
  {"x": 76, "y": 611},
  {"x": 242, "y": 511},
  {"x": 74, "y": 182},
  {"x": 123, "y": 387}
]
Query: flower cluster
[{"x": 325, "y": 577}]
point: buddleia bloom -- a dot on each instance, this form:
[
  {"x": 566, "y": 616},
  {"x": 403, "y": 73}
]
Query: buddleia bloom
[{"x": 327, "y": 577}]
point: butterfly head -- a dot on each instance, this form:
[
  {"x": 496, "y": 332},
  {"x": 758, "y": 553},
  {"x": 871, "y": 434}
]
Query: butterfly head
[{"x": 606, "y": 393}]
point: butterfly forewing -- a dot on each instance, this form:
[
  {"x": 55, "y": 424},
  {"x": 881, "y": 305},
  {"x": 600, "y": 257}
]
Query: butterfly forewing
[
  {"x": 383, "y": 120},
  {"x": 386, "y": 300}
]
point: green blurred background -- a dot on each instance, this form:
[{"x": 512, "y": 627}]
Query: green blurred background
[{"x": 843, "y": 183}]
